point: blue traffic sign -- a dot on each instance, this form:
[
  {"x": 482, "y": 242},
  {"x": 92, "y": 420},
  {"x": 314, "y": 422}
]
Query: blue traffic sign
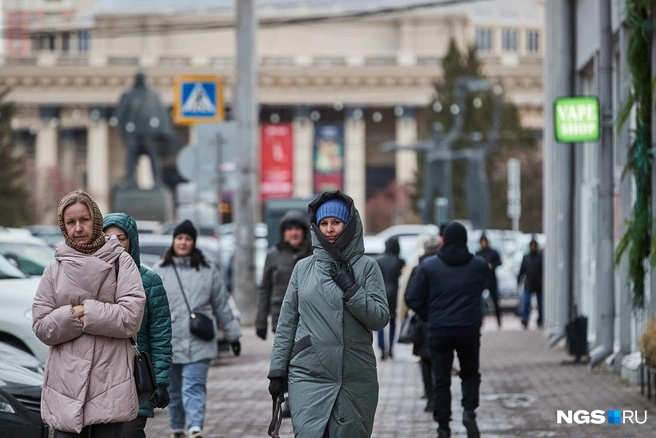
[{"x": 198, "y": 99}]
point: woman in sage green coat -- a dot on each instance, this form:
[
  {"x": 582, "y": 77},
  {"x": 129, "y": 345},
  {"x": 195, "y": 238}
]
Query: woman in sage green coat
[{"x": 323, "y": 345}]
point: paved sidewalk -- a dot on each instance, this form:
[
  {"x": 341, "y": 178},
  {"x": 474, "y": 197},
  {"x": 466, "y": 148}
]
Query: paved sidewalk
[{"x": 523, "y": 384}]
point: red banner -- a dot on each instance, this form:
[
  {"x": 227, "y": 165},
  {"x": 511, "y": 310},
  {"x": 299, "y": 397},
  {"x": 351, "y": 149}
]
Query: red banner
[{"x": 277, "y": 172}]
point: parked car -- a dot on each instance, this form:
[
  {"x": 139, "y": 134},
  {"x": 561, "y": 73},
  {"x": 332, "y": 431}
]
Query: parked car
[
  {"x": 51, "y": 234},
  {"x": 17, "y": 291},
  {"x": 406, "y": 230},
  {"x": 20, "y": 403},
  {"x": 16, "y": 356},
  {"x": 30, "y": 254}
]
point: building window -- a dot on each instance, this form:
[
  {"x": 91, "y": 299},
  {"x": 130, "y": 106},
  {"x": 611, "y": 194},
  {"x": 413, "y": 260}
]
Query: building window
[
  {"x": 484, "y": 39},
  {"x": 83, "y": 41},
  {"x": 533, "y": 41},
  {"x": 509, "y": 40},
  {"x": 66, "y": 43}
]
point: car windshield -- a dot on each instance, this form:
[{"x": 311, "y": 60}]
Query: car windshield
[
  {"x": 31, "y": 258},
  {"x": 8, "y": 270}
]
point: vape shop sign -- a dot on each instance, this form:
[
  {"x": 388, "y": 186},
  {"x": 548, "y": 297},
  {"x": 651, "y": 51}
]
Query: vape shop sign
[{"x": 576, "y": 119}]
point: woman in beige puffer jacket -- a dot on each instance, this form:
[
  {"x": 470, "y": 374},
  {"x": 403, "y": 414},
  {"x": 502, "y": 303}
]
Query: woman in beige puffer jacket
[{"x": 86, "y": 311}]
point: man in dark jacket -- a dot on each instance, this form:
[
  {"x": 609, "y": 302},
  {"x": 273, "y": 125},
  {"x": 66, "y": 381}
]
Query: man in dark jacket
[
  {"x": 446, "y": 292},
  {"x": 493, "y": 260},
  {"x": 154, "y": 336},
  {"x": 295, "y": 243},
  {"x": 531, "y": 270},
  {"x": 391, "y": 266}
]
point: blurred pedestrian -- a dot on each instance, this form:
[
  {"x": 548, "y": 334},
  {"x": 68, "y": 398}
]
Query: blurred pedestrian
[
  {"x": 154, "y": 336},
  {"x": 86, "y": 310},
  {"x": 446, "y": 292},
  {"x": 391, "y": 265},
  {"x": 193, "y": 286},
  {"x": 295, "y": 244},
  {"x": 322, "y": 348},
  {"x": 422, "y": 349},
  {"x": 493, "y": 260},
  {"x": 531, "y": 273}
]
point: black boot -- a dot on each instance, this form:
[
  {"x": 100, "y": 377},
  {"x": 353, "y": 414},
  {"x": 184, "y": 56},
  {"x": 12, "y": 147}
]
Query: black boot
[
  {"x": 469, "y": 421},
  {"x": 383, "y": 354},
  {"x": 443, "y": 433}
]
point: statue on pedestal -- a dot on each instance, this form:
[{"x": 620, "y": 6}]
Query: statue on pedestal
[{"x": 144, "y": 125}]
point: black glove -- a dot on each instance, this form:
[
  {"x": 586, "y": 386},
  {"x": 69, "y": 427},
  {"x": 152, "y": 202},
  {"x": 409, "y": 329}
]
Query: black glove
[
  {"x": 342, "y": 274},
  {"x": 161, "y": 397},
  {"x": 277, "y": 387},
  {"x": 236, "y": 347},
  {"x": 261, "y": 333}
]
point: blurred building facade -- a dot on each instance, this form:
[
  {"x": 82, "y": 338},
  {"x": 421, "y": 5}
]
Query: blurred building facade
[{"x": 371, "y": 76}]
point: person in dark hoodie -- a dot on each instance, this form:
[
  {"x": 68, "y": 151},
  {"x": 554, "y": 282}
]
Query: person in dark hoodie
[
  {"x": 531, "y": 270},
  {"x": 295, "y": 244},
  {"x": 446, "y": 292},
  {"x": 391, "y": 266},
  {"x": 493, "y": 260},
  {"x": 154, "y": 336}
]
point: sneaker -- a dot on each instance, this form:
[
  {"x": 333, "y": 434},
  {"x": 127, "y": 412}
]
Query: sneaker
[
  {"x": 443, "y": 433},
  {"x": 469, "y": 421},
  {"x": 198, "y": 434},
  {"x": 179, "y": 435}
]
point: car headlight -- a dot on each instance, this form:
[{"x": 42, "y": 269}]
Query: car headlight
[
  {"x": 5, "y": 406},
  {"x": 28, "y": 314}
]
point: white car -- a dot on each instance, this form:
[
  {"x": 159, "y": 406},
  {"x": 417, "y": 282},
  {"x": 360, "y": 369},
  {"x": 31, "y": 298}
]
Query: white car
[
  {"x": 30, "y": 254},
  {"x": 17, "y": 292}
]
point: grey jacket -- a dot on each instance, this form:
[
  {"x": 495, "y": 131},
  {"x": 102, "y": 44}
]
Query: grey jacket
[
  {"x": 206, "y": 294},
  {"x": 278, "y": 267},
  {"x": 323, "y": 344}
]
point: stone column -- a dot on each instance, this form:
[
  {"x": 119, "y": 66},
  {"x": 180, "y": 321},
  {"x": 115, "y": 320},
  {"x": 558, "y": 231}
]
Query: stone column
[
  {"x": 98, "y": 157},
  {"x": 355, "y": 159},
  {"x": 303, "y": 129},
  {"x": 46, "y": 162},
  {"x": 406, "y": 135}
]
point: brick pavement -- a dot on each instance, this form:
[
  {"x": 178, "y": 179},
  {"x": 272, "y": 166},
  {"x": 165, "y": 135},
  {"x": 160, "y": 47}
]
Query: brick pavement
[{"x": 523, "y": 384}]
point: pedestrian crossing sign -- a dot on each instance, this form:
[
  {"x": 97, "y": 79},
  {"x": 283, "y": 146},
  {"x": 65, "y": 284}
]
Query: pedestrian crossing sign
[{"x": 198, "y": 99}]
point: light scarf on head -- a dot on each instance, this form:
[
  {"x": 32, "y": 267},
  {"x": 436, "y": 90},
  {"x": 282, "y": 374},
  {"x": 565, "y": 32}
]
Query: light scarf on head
[{"x": 97, "y": 236}]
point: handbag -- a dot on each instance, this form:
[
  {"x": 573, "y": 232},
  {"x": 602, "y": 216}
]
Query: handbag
[
  {"x": 200, "y": 325},
  {"x": 411, "y": 330},
  {"x": 144, "y": 373}
]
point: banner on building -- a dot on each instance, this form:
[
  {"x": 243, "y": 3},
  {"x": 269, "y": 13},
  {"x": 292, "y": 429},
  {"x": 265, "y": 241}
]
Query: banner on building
[
  {"x": 277, "y": 146},
  {"x": 328, "y": 158}
]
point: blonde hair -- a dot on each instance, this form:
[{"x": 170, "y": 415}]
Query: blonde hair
[{"x": 75, "y": 197}]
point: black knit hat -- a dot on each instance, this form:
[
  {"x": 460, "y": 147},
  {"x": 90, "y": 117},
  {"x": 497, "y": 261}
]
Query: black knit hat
[
  {"x": 186, "y": 227},
  {"x": 455, "y": 234}
]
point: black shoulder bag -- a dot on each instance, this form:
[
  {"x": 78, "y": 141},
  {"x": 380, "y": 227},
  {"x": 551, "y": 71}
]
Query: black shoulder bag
[
  {"x": 200, "y": 325},
  {"x": 144, "y": 373}
]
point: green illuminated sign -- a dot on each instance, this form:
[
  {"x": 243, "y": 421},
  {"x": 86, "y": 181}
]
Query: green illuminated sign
[{"x": 576, "y": 119}]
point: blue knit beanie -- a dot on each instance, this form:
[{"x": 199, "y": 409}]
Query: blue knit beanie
[{"x": 333, "y": 208}]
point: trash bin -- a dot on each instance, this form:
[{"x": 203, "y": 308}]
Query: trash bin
[{"x": 577, "y": 337}]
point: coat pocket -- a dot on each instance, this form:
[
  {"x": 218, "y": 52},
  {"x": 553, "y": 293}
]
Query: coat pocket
[
  {"x": 301, "y": 345},
  {"x": 304, "y": 361}
]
